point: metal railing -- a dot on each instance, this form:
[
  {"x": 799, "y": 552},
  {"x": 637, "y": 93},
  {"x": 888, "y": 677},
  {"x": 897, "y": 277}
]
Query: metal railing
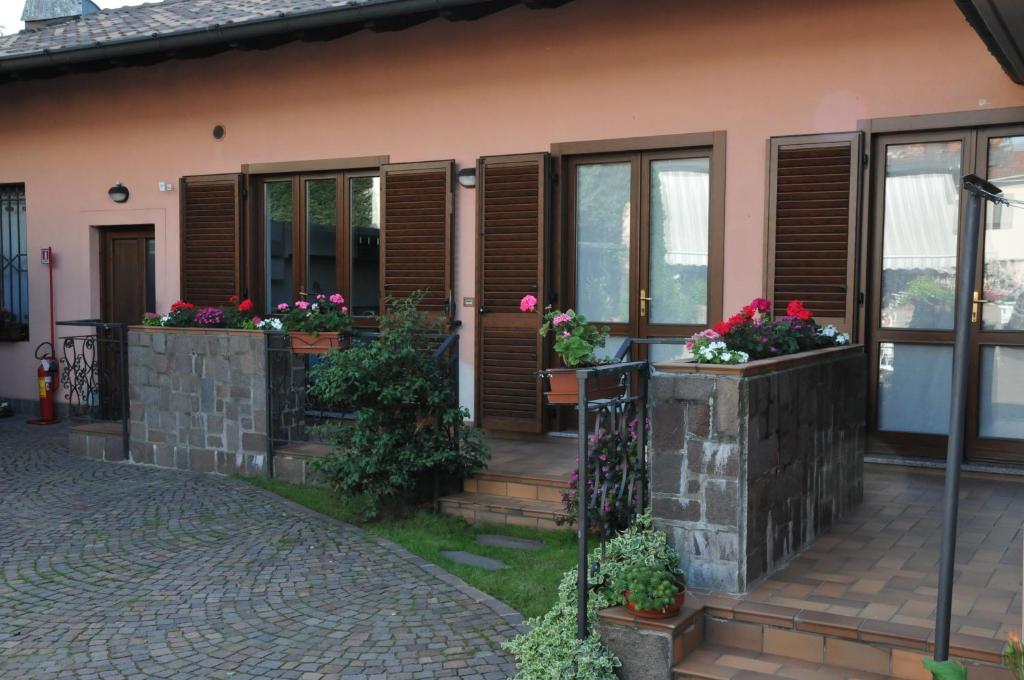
[
  {"x": 94, "y": 372},
  {"x": 619, "y": 421}
]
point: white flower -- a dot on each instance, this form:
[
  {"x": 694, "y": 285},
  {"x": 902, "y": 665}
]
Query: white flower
[
  {"x": 315, "y": 306},
  {"x": 725, "y": 356},
  {"x": 164, "y": 319},
  {"x": 842, "y": 339},
  {"x": 718, "y": 344},
  {"x": 272, "y": 323},
  {"x": 828, "y": 331},
  {"x": 744, "y": 357}
]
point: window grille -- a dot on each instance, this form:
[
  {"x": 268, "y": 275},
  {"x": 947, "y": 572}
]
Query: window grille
[{"x": 13, "y": 263}]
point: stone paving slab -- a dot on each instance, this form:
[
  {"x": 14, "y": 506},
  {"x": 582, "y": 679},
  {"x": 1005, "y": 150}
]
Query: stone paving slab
[
  {"x": 469, "y": 559},
  {"x": 509, "y": 542},
  {"x": 113, "y": 570}
]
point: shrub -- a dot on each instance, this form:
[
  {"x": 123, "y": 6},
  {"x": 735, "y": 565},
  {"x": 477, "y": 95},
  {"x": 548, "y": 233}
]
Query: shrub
[
  {"x": 551, "y": 650},
  {"x": 405, "y": 426},
  {"x": 649, "y": 588}
]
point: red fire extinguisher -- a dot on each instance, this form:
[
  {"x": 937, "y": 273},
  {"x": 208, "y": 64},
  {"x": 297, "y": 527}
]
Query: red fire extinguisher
[{"x": 48, "y": 377}]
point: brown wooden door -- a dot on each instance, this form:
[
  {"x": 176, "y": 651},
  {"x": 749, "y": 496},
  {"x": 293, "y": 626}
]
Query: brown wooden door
[
  {"x": 512, "y": 195},
  {"x": 129, "y": 280},
  {"x": 127, "y": 292}
]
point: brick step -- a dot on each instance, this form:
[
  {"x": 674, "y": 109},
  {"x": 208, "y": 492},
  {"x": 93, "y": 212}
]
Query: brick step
[
  {"x": 497, "y": 509},
  {"x": 713, "y": 662},
  {"x": 516, "y": 486},
  {"x": 870, "y": 648}
]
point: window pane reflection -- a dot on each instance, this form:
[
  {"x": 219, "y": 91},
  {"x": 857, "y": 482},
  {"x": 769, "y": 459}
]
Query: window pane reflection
[
  {"x": 1004, "y": 239},
  {"x": 321, "y": 236},
  {"x": 914, "y": 387},
  {"x": 922, "y": 207},
  {"x": 1002, "y": 399},
  {"x": 680, "y": 200},
  {"x": 602, "y": 241},
  {"x": 364, "y": 218},
  {"x": 277, "y": 202}
]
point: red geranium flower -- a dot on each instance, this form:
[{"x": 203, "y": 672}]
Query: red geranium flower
[
  {"x": 722, "y": 328},
  {"x": 736, "y": 319},
  {"x": 233, "y": 299},
  {"x": 747, "y": 312},
  {"x": 245, "y": 306},
  {"x": 796, "y": 309},
  {"x": 181, "y": 305}
]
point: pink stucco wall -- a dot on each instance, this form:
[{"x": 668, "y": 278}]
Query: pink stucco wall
[{"x": 511, "y": 83}]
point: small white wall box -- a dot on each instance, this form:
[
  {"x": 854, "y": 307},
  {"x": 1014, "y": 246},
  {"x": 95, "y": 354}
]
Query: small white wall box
[{"x": 166, "y": 186}]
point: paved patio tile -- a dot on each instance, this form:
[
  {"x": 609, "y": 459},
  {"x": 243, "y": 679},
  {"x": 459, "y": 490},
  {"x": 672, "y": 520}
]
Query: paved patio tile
[
  {"x": 111, "y": 570},
  {"x": 854, "y": 572}
]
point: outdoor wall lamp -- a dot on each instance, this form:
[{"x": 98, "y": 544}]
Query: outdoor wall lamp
[
  {"x": 467, "y": 177},
  {"x": 118, "y": 193}
]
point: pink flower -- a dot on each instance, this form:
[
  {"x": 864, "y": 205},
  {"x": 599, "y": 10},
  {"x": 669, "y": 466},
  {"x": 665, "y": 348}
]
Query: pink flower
[
  {"x": 566, "y": 334},
  {"x": 337, "y": 299},
  {"x": 344, "y": 310},
  {"x": 302, "y": 304},
  {"x": 321, "y": 296},
  {"x": 256, "y": 321},
  {"x": 283, "y": 307},
  {"x": 528, "y": 303},
  {"x": 561, "y": 319}
]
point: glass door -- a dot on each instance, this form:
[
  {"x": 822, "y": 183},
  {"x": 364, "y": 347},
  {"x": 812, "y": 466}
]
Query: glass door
[
  {"x": 919, "y": 215},
  {"x": 998, "y": 319},
  {"x": 640, "y": 231}
]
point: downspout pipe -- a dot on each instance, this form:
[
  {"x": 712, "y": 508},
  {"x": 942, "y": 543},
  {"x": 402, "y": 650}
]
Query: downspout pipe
[{"x": 226, "y": 33}]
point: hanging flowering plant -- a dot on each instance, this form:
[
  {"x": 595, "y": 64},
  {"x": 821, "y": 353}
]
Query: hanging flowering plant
[
  {"x": 324, "y": 314},
  {"x": 576, "y": 340},
  {"x": 754, "y": 333},
  {"x": 614, "y": 475}
]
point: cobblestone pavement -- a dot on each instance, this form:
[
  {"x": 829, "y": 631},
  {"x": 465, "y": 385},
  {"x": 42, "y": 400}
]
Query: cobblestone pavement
[{"x": 111, "y": 570}]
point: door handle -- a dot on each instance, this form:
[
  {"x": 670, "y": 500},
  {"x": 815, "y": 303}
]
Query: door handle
[
  {"x": 643, "y": 302},
  {"x": 977, "y": 302}
]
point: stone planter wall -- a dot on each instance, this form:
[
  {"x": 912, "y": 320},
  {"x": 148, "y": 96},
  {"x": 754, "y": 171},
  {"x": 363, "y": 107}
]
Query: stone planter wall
[
  {"x": 198, "y": 399},
  {"x": 750, "y": 463}
]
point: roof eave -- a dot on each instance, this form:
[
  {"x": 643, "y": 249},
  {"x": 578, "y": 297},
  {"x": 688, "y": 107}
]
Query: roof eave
[
  {"x": 220, "y": 34},
  {"x": 1000, "y": 25}
]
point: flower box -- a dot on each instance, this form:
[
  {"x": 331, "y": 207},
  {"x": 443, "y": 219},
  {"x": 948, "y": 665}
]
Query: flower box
[
  {"x": 564, "y": 386},
  {"x": 316, "y": 343}
]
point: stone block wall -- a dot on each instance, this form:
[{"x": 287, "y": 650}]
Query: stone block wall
[
  {"x": 750, "y": 463},
  {"x": 198, "y": 399}
]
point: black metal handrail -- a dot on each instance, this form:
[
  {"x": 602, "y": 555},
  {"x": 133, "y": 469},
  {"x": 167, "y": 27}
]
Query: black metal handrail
[
  {"x": 618, "y": 412},
  {"x": 94, "y": 372}
]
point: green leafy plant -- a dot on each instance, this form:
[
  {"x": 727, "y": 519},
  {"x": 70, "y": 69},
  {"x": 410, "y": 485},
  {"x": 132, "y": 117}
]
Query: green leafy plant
[
  {"x": 648, "y": 588},
  {"x": 1013, "y": 656},
  {"x": 406, "y": 428},
  {"x": 324, "y": 314},
  {"x": 576, "y": 340},
  {"x": 551, "y": 650},
  {"x": 946, "y": 670}
]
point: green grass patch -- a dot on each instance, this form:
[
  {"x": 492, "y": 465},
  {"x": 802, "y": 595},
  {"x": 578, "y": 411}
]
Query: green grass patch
[{"x": 530, "y": 585}]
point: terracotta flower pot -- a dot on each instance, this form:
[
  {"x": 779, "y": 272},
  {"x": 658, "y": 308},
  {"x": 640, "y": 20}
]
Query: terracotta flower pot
[
  {"x": 665, "y": 613},
  {"x": 565, "y": 389},
  {"x": 308, "y": 343}
]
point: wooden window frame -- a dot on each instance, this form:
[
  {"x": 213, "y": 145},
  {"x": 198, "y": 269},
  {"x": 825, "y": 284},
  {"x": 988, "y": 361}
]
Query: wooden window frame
[
  {"x": 568, "y": 155},
  {"x": 300, "y": 236}
]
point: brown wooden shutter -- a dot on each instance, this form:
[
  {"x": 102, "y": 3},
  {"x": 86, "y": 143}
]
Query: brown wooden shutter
[
  {"x": 813, "y": 201},
  {"x": 211, "y": 238},
  {"x": 416, "y": 232},
  {"x": 512, "y": 202}
]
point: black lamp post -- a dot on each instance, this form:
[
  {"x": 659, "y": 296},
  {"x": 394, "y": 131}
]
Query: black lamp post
[{"x": 978, "y": 191}]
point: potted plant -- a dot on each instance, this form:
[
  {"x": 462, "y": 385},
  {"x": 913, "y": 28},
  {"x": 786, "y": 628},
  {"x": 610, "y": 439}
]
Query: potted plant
[
  {"x": 576, "y": 344},
  {"x": 651, "y": 591},
  {"x": 316, "y": 327}
]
